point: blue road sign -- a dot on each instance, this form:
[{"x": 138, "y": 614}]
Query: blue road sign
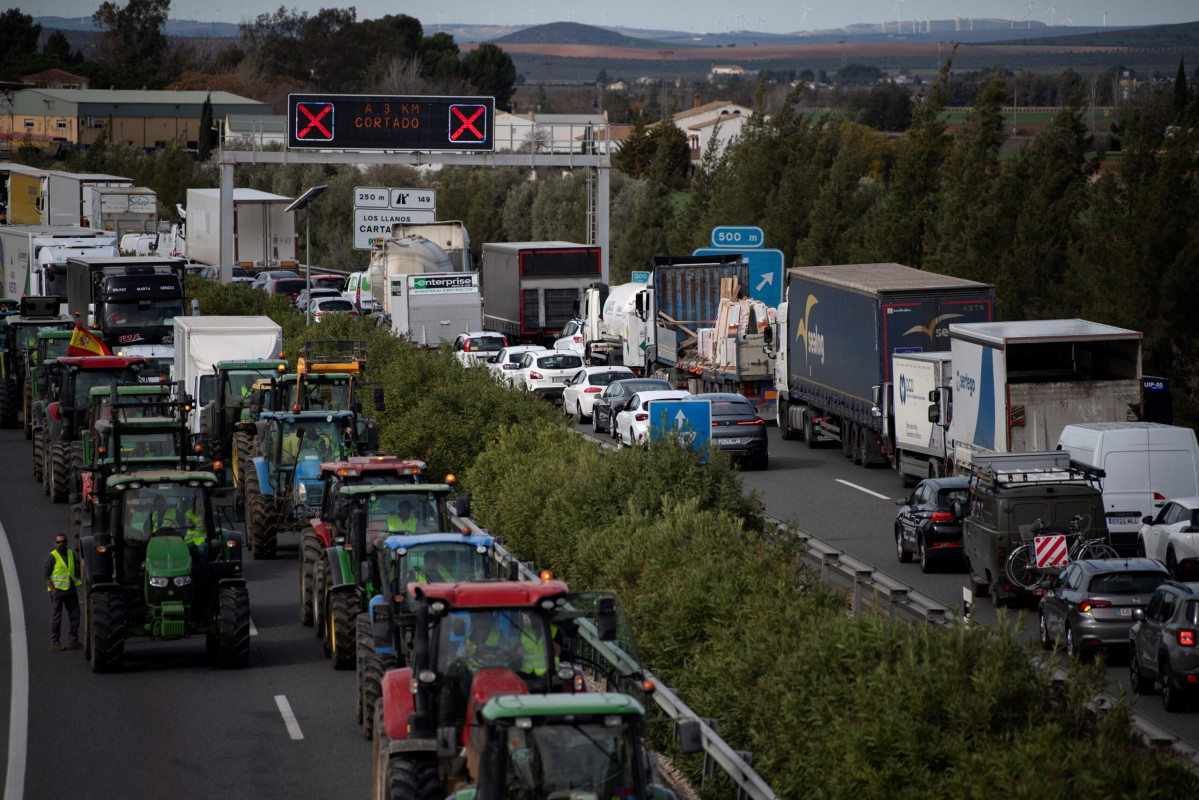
[
  {"x": 765, "y": 272},
  {"x": 738, "y": 237},
  {"x": 640, "y": 276},
  {"x": 691, "y": 420}
]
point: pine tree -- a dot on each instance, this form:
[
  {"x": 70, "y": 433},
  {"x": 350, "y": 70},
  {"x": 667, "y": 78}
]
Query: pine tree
[{"x": 205, "y": 136}]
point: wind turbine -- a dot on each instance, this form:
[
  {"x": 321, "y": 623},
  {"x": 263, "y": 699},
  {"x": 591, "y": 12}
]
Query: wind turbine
[
  {"x": 1031, "y": 3},
  {"x": 1104, "y": 14},
  {"x": 957, "y": 23},
  {"x": 803, "y": 19},
  {"x": 1052, "y": 16},
  {"x": 898, "y": 27}
]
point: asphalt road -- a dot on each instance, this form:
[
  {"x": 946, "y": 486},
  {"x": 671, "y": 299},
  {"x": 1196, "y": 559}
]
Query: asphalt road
[{"x": 171, "y": 724}]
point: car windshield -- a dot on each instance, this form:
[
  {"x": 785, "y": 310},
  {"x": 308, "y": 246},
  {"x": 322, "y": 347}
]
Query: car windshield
[
  {"x": 484, "y": 344},
  {"x": 137, "y": 313},
  {"x": 87, "y": 378},
  {"x": 150, "y": 508},
  {"x": 438, "y": 563},
  {"x": 290, "y": 286},
  {"x": 947, "y": 497},
  {"x": 560, "y": 361},
  {"x": 405, "y": 512},
  {"x": 604, "y": 378},
  {"x": 1126, "y": 582},
  {"x": 725, "y": 408},
  {"x": 645, "y": 385},
  {"x": 589, "y": 759},
  {"x": 241, "y": 382},
  {"x": 468, "y": 641},
  {"x": 333, "y": 305},
  {"x": 323, "y": 394},
  {"x": 312, "y": 438},
  {"x": 514, "y": 358},
  {"x": 149, "y": 445}
]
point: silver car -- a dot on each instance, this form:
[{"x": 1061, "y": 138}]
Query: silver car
[{"x": 1092, "y": 604}]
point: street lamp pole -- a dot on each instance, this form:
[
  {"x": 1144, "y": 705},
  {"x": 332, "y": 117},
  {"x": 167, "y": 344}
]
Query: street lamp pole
[{"x": 304, "y": 201}]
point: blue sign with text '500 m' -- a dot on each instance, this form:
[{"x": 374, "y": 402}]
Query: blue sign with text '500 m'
[{"x": 738, "y": 237}]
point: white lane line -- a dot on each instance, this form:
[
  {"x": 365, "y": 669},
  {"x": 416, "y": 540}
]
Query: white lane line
[
  {"x": 289, "y": 719},
  {"x": 863, "y": 489},
  {"x": 253, "y": 630},
  {"x": 18, "y": 715}
]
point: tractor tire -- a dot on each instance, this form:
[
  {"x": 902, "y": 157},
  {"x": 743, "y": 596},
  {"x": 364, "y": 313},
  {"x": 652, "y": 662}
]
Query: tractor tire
[
  {"x": 76, "y": 459},
  {"x": 318, "y": 599},
  {"x": 10, "y": 398},
  {"x": 233, "y": 647},
  {"x": 216, "y": 448},
  {"x": 85, "y": 608},
  {"x": 374, "y": 665},
  {"x": 60, "y": 472},
  {"x": 27, "y": 410},
  {"x": 243, "y": 452},
  {"x": 106, "y": 631},
  {"x": 47, "y": 464},
  {"x": 38, "y": 458},
  {"x": 410, "y": 778},
  {"x": 379, "y": 755},
  {"x": 262, "y": 520},
  {"x": 310, "y": 553},
  {"x": 343, "y": 617},
  {"x": 362, "y": 646}
]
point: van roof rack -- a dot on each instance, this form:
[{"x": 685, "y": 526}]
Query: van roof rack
[{"x": 1040, "y": 467}]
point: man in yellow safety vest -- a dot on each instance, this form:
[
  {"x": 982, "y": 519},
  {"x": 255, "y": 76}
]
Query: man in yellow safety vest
[{"x": 62, "y": 576}]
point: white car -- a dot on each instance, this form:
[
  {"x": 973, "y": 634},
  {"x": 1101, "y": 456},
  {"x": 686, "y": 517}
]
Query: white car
[
  {"x": 322, "y": 306},
  {"x": 508, "y": 360},
  {"x": 585, "y": 386},
  {"x": 547, "y": 373},
  {"x": 632, "y": 424},
  {"x": 478, "y": 348},
  {"x": 1172, "y": 537},
  {"x": 571, "y": 338}
]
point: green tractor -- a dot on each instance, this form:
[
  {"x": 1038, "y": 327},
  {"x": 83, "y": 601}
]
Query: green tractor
[
  {"x": 18, "y": 345},
  {"x": 158, "y": 563},
  {"x": 562, "y": 746},
  {"x": 224, "y": 400}
]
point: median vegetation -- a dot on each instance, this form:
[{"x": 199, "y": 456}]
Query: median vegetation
[{"x": 830, "y": 705}]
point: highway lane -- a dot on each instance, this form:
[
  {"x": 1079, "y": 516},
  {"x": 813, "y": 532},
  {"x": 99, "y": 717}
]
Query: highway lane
[
  {"x": 170, "y": 723},
  {"x": 852, "y": 508}
]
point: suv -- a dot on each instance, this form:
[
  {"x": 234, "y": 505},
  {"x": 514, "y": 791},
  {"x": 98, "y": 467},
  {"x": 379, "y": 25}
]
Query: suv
[
  {"x": 1009, "y": 492},
  {"x": 478, "y": 348},
  {"x": 546, "y": 374},
  {"x": 1162, "y": 644}
]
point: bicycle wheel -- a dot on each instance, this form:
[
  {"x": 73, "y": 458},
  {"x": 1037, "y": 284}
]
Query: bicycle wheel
[
  {"x": 1020, "y": 566},
  {"x": 1097, "y": 550}
]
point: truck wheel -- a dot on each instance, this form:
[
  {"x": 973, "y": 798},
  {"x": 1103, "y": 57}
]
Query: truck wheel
[
  {"x": 60, "y": 472},
  {"x": 310, "y": 553},
  {"x": 374, "y": 665},
  {"x": 27, "y": 411},
  {"x": 412, "y": 779},
  {"x": 343, "y": 627},
  {"x": 781, "y": 415},
  {"x": 106, "y": 632},
  {"x": 809, "y": 432},
  {"x": 9, "y": 400},
  {"x": 38, "y": 458},
  {"x": 233, "y": 646},
  {"x": 905, "y": 480},
  {"x": 863, "y": 441}
]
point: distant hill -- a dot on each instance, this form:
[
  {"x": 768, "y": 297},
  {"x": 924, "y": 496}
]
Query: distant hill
[
  {"x": 173, "y": 27},
  {"x": 571, "y": 33}
]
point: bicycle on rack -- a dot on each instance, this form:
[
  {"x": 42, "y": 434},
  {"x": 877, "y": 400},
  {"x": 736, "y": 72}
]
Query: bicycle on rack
[{"x": 1021, "y": 565}]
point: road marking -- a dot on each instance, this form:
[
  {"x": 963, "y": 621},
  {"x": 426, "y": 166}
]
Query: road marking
[
  {"x": 289, "y": 719},
  {"x": 253, "y": 630},
  {"x": 863, "y": 489},
  {"x": 18, "y": 716}
]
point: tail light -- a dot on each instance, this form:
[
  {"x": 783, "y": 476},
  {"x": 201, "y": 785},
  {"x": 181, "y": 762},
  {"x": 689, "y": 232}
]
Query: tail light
[
  {"x": 1086, "y": 605},
  {"x": 942, "y": 516},
  {"x": 592, "y": 390},
  {"x": 752, "y": 422},
  {"x": 1186, "y": 638},
  {"x": 578, "y": 338},
  {"x": 536, "y": 376},
  {"x": 466, "y": 345},
  {"x": 353, "y": 313},
  {"x": 641, "y": 416},
  {"x": 1158, "y": 496}
]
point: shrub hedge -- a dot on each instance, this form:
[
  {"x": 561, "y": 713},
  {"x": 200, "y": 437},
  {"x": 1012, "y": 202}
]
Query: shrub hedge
[{"x": 831, "y": 706}]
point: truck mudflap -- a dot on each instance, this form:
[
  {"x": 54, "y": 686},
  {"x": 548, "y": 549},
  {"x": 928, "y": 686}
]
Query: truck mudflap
[
  {"x": 397, "y": 747},
  {"x": 340, "y": 569},
  {"x": 264, "y": 479}
]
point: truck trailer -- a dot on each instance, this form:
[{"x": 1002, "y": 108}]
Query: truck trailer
[
  {"x": 836, "y": 334},
  {"x": 30, "y": 256},
  {"x": 531, "y": 289},
  {"x": 1015, "y": 385},
  {"x": 121, "y": 209},
  {"x": 921, "y": 443},
  {"x": 264, "y": 232},
  {"x": 432, "y": 308}
]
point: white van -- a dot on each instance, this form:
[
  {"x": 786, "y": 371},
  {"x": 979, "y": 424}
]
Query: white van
[
  {"x": 1146, "y": 464},
  {"x": 358, "y": 292}
]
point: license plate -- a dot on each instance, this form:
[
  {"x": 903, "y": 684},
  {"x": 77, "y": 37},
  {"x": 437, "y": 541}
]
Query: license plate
[
  {"x": 731, "y": 441},
  {"x": 561, "y": 380},
  {"x": 1123, "y": 519},
  {"x": 1126, "y": 612}
]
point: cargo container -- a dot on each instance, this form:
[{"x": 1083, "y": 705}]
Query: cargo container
[
  {"x": 121, "y": 209},
  {"x": 31, "y": 254},
  {"x": 916, "y": 424},
  {"x": 836, "y": 334},
  {"x": 531, "y": 290},
  {"x": 264, "y": 232}
]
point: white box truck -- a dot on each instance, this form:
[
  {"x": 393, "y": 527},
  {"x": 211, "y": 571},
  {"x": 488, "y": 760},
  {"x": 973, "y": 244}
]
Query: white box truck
[
  {"x": 33, "y": 258},
  {"x": 1144, "y": 463},
  {"x": 203, "y": 342},
  {"x": 1016, "y": 385},
  {"x": 434, "y": 308},
  {"x": 121, "y": 209},
  {"x": 264, "y": 233},
  {"x": 920, "y": 441}
]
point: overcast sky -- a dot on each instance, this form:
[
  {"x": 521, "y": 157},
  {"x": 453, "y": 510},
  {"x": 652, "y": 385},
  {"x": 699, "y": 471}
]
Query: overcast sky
[{"x": 699, "y": 16}]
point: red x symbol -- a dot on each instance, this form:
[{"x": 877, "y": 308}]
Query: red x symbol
[
  {"x": 314, "y": 120},
  {"x": 468, "y": 123}
]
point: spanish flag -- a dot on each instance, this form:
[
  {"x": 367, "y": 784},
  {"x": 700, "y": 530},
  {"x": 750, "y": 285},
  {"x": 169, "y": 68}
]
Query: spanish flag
[{"x": 86, "y": 343}]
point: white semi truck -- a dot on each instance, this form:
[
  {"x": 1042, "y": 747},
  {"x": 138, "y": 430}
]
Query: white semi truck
[
  {"x": 33, "y": 257},
  {"x": 264, "y": 232}
]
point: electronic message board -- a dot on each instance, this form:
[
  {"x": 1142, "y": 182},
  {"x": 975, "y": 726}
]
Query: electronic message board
[{"x": 390, "y": 122}]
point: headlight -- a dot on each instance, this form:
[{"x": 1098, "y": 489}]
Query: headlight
[
  {"x": 158, "y": 582},
  {"x": 302, "y": 492},
  {"x": 183, "y": 580}
]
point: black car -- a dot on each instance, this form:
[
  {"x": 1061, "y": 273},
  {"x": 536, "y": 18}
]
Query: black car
[
  {"x": 927, "y": 524},
  {"x": 614, "y": 398},
  {"x": 737, "y": 429}
]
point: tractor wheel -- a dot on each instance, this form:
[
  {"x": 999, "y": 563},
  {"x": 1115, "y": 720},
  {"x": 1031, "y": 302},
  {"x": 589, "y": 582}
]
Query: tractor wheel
[
  {"x": 38, "y": 439},
  {"x": 374, "y": 665},
  {"x": 411, "y": 778},
  {"x": 47, "y": 464},
  {"x": 343, "y": 616},
  {"x": 379, "y": 755},
  {"x": 216, "y": 449},
  {"x": 27, "y": 410},
  {"x": 9, "y": 403},
  {"x": 362, "y": 645},
  {"x": 60, "y": 472},
  {"x": 265, "y": 525},
  {"x": 243, "y": 447},
  {"x": 106, "y": 631},
  {"x": 310, "y": 553},
  {"x": 86, "y": 609},
  {"x": 318, "y": 599},
  {"x": 233, "y": 648}
]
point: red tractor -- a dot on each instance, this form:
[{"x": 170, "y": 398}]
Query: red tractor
[{"x": 473, "y": 642}]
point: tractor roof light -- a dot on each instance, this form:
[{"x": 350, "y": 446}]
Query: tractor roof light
[{"x": 546, "y": 576}]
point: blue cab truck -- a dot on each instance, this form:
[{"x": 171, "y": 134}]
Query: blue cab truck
[{"x": 836, "y": 332}]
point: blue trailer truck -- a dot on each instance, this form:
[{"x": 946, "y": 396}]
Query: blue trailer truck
[{"x": 836, "y": 332}]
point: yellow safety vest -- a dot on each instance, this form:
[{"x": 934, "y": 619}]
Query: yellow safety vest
[
  {"x": 397, "y": 525},
  {"x": 63, "y": 576},
  {"x": 194, "y": 531}
]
